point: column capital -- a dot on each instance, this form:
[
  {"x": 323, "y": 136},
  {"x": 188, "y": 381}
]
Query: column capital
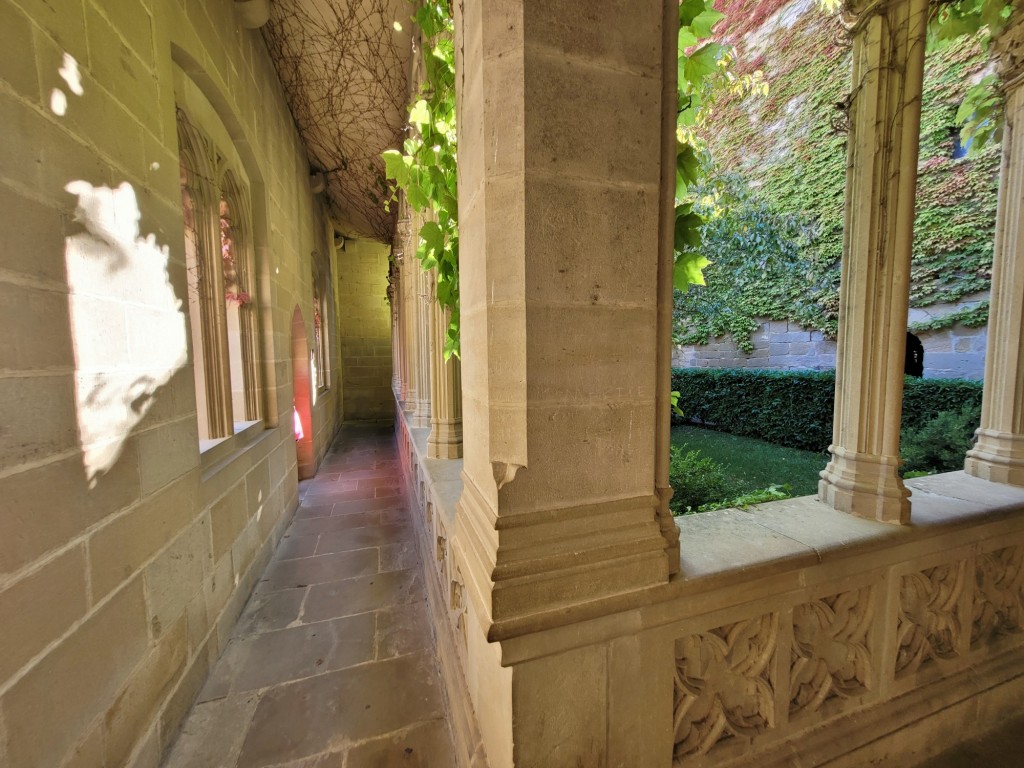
[
  {"x": 856, "y": 13},
  {"x": 1008, "y": 51}
]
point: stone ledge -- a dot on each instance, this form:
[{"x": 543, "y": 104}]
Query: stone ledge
[{"x": 730, "y": 545}]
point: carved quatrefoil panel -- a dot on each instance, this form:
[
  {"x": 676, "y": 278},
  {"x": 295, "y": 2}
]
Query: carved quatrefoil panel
[
  {"x": 831, "y": 656},
  {"x": 724, "y": 684},
  {"x": 998, "y": 596},
  {"x": 928, "y": 621}
]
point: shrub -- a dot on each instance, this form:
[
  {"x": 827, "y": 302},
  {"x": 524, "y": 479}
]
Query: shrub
[
  {"x": 794, "y": 408},
  {"x": 696, "y": 480},
  {"x": 760, "y": 496},
  {"x": 940, "y": 444}
]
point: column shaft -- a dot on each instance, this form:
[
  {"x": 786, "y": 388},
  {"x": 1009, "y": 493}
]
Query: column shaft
[
  {"x": 410, "y": 266},
  {"x": 999, "y": 452},
  {"x": 421, "y": 412},
  {"x": 885, "y": 110},
  {"x": 445, "y": 441}
]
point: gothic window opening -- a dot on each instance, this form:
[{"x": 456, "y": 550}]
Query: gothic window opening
[{"x": 221, "y": 267}]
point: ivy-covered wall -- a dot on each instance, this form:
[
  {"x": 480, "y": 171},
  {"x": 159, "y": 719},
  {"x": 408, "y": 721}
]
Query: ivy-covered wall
[
  {"x": 956, "y": 352},
  {"x": 777, "y": 239}
]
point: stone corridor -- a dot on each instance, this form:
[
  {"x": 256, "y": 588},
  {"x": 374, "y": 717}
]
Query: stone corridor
[{"x": 332, "y": 663}]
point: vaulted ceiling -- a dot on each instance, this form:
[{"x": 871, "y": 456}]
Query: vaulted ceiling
[{"x": 344, "y": 67}]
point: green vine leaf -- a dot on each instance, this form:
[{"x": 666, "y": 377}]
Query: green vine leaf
[
  {"x": 426, "y": 173},
  {"x": 689, "y": 270},
  {"x": 419, "y": 115}
]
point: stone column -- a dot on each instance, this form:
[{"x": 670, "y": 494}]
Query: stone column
[
  {"x": 410, "y": 374},
  {"x": 394, "y": 289},
  {"x": 445, "y": 441},
  {"x": 421, "y": 307},
  {"x": 560, "y": 163},
  {"x": 885, "y": 114},
  {"x": 999, "y": 452}
]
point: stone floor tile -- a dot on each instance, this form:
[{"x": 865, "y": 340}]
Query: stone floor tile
[
  {"x": 267, "y": 611},
  {"x": 315, "y": 715},
  {"x": 359, "y": 538},
  {"x": 995, "y": 749},
  {"x": 212, "y": 734},
  {"x": 271, "y": 658},
  {"x": 319, "y": 510},
  {"x": 379, "y": 482},
  {"x": 367, "y": 505},
  {"x": 328, "y": 760},
  {"x": 332, "y": 662},
  {"x": 365, "y": 593},
  {"x": 287, "y": 574},
  {"x": 424, "y": 745},
  {"x": 371, "y": 473},
  {"x": 294, "y": 546},
  {"x": 319, "y": 525},
  {"x": 399, "y": 556},
  {"x": 318, "y": 494},
  {"x": 394, "y": 517},
  {"x": 403, "y": 629}
]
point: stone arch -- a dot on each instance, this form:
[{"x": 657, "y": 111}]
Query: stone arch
[{"x": 302, "y": 396}]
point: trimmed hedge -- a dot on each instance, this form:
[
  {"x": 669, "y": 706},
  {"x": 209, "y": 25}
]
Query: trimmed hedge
[{"x": 794, "y": 408}]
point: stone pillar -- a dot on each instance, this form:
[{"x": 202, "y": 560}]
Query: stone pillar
[
  {"x": 999, "y": 452},
  {"x": 394, "y": 289},
  {"x": 445, "y": 441},
  {"x": 885, "y": 113},
  {"x": 421, "y": 308},
  {"x": 560, "y": 203},
  {"x": 410, "y": 374}
]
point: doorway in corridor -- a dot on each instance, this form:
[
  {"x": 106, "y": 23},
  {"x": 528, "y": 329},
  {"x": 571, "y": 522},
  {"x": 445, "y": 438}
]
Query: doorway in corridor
[{"x": 301, "y": 395}]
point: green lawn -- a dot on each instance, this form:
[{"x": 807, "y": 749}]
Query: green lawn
[{"x": 753, "y": 464}]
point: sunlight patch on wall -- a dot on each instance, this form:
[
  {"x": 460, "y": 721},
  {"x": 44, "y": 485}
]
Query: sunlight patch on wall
[
  {"x": 126, "y": 322},
  {"x": 72, "y": 77}
]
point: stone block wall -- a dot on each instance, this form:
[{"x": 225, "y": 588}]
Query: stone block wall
[
  {"x": 365, "y": 331},
  {"x": 949, "y": 353},
  {"x": 119, "y": 587}
]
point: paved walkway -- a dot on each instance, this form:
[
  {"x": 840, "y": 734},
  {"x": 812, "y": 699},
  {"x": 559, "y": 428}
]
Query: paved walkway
[
  {"x": 999, "y": 749},
  {"x": 332, "y": 663}
]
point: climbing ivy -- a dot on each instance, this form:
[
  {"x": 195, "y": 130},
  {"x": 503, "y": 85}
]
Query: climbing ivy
[
  {"x": 426, "y": 169},
  {"x": 970, "y": 317},
  {"x": 772, "y": 194}
]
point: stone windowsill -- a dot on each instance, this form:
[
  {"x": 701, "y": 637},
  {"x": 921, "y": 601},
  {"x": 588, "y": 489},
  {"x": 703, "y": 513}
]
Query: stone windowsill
[{"x": 214, "y": 454}]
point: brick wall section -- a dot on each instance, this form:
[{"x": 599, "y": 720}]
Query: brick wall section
[
  {"x": 365, "y": 326},
  {"x": 115, "y": 599},
  {"x": 951, "y": 353}
]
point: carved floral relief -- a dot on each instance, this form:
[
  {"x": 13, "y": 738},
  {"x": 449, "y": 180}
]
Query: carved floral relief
[
  {"x": 830, "y": 656},
  {"x": 457, "y": 605},
  {"x": 724, "y": 684},
  {"x": 998, "y": 595},
  {"x": 928, "y": 621}
]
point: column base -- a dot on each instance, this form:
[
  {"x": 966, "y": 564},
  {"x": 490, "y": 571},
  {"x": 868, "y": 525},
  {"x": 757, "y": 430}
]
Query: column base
[
  {"x": 445, "y": 441},
  {"x": 534, "y": 569},
  {"x": 420, "y": 414},
  {"x": 409, "y": 401},
  {"x": 998, "y": 457},
  {"x": 866, "y": 486}
]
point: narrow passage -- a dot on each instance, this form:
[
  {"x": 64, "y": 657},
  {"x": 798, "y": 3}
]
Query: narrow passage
[{"x": 332, "y": 663}]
